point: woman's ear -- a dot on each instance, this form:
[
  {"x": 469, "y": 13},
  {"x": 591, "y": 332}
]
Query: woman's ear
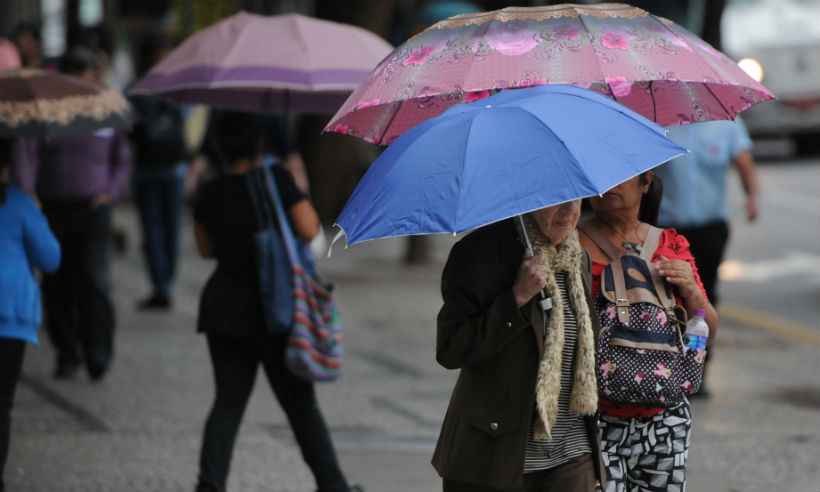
[{"x": 646, "y": 181}]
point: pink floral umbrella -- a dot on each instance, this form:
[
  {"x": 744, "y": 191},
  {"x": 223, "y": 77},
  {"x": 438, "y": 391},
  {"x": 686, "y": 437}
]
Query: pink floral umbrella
[{"x": 646, "y": 63}]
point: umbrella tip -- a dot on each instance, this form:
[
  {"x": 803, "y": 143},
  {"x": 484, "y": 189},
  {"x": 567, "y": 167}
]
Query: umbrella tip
[{"x": 338, "y": 236}]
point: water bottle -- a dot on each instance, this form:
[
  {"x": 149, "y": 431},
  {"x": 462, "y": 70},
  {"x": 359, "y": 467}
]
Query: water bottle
[{"x": 697, "y": 331}]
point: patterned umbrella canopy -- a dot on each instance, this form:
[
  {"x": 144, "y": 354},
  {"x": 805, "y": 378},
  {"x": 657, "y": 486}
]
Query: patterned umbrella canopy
[
  {"x": 644, "y": 62},
  {"x": 36, "y": 103}
]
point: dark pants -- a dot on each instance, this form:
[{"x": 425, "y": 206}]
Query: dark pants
[
  {"x": 235, "y": 361},
  {"x": 78, "y": 308},
  {"x": 708, "y": 245},
  {"x": 159, "y": 200},
  {"x": 576, "y": 476},
  {"x": 11, "y": 363}
]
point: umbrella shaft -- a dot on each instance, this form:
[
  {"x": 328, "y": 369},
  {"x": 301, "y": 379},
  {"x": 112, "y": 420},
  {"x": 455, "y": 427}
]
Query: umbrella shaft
[{"x": 545, "y": 301}]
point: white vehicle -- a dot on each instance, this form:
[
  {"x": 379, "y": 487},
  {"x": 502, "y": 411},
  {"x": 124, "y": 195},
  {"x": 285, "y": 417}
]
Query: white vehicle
[{"x": 778, "y": 43}]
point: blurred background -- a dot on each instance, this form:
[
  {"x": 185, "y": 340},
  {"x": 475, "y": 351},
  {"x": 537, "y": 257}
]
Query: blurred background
[{"x": 139, "y": 430}]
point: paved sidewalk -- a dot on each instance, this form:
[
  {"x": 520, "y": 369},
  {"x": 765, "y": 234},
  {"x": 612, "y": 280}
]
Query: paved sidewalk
[{"x": 139, "y": 430}]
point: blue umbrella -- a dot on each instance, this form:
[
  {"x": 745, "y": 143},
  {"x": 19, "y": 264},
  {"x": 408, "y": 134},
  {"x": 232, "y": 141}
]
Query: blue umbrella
[{"x": 512, "y": 153}]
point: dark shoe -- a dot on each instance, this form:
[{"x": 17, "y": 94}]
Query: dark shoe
[
  {"x": 97, "y": 366},
  {"x": 66, "y": 370},
  {"x": 120, "y": 240},
  {"x": 97, "y": 371},
  {"x": 206, "y": 487},
  {"x": 156, "y": 302}
]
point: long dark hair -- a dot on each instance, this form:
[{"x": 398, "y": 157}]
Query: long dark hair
[
  {"x": 6, "y": 151},
  {"x": 651, "y": 200},
  {"x": 232, "y": 136}
]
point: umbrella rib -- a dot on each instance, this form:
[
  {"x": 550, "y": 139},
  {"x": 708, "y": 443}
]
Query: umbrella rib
[
  {"x": 712, "y": 93},
  {"x": 564, "y": 144},
  {"x": 699, "y": 59},
  {"x": 597, "y": 57},
  {"x": 486, "y": 28},
  {"x": 463, "y": 165},
  {"x": 390, "y": 122}
]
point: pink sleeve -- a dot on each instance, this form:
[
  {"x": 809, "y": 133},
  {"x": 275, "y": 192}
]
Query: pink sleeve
[{"x": 675, "y": 246}]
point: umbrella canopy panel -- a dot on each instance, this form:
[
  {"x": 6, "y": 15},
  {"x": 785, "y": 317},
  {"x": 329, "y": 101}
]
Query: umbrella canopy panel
[
  {"x": 265, "y": 63},
  {"x": 36, "y": 103},
  {"x": 645, "y": 62}
]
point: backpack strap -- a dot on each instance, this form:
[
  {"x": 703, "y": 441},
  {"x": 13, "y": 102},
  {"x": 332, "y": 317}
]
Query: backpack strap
[
  {"x": 260, "y": 206},
  {"x": 614, "y": 256},
  {"x": 650, "y": 245},
  {"x": 600, "y": 240}
]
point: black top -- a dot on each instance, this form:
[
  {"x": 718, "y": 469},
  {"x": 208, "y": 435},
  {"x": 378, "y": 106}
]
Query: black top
[
  {"x": 158, "y": 135},
  {"x": 230, "y": 302}
]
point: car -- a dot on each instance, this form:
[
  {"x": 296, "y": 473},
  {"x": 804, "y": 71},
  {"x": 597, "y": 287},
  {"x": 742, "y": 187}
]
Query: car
[{"x": 777, "y": 42}]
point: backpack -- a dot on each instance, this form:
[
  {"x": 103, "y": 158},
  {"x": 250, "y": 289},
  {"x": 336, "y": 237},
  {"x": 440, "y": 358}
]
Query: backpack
[
  {"x": 642, "y": 354},
  {"x": 159, "y": 133}
]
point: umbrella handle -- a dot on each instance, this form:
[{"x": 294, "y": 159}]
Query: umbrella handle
[{"x": 545, "y": 302}]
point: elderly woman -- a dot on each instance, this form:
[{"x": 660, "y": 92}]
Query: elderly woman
[
  {"x": 521, "y": 416},
  {"x": 622, "y": 222}
]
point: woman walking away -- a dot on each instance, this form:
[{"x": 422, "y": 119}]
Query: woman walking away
[
  {"x": 231, "y": 313},
  {"x": 26, "y": 243},
  {"x": 522, "y": 414},
  {"x": 646, "y": 366}
]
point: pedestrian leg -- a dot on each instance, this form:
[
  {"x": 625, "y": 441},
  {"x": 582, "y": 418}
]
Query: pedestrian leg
[
  {"x": 96, "y": 310},
  {"x": 455, "y": 486},
  {"x": 298, "y": 399},
  {"x": 614, "y": 434},
  {"x": 173, "y": 189},
  {"x": 576, "y": 476},
  {"x": 234, "y": 360},
  {"x": 655, "y": 452},
  {"x": 708, "y": 246},
  {"x": 148, "y": 192},
  {"x": 60, "y": 292},
  {"x": 11, "y": 363}
]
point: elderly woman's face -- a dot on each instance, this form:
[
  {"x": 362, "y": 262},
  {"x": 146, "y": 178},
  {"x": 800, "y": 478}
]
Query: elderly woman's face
[{"x": 558, "y": 222}]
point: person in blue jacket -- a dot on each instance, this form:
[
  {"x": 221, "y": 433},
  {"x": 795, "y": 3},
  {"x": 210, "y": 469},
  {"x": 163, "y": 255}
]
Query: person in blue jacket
[{"x": 26, "y": 243}]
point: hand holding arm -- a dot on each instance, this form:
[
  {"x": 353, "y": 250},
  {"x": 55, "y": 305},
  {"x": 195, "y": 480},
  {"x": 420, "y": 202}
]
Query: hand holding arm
[
  {"x": 680, "y": 274},
  {"x": 474, "y": 326},
  {"x": 530, "y": 281},
  {"x": 747, "y": 170}
]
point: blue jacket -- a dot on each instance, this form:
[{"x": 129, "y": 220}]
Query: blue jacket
[{"x": 26, "y": 242}]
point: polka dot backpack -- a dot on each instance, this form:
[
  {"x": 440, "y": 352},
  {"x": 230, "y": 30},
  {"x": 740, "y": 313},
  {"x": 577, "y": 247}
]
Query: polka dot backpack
[{"x": 642, "y": 357}]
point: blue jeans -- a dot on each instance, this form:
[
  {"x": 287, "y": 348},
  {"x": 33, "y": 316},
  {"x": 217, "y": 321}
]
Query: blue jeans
[{"x": 159, "y": 198}]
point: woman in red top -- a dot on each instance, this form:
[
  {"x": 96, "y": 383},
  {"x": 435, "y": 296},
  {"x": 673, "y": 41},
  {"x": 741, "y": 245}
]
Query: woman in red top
[{"x": 645, "y": 448}]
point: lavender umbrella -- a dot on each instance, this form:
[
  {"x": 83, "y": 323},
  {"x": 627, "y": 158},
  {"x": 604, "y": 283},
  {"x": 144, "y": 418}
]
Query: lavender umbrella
[
  {"x": 647, "y": 63},
  {"x": 251, "y": 62}
]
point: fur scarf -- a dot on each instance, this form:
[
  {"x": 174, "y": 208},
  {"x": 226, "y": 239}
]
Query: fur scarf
[{"x": 568, "y": 257}]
